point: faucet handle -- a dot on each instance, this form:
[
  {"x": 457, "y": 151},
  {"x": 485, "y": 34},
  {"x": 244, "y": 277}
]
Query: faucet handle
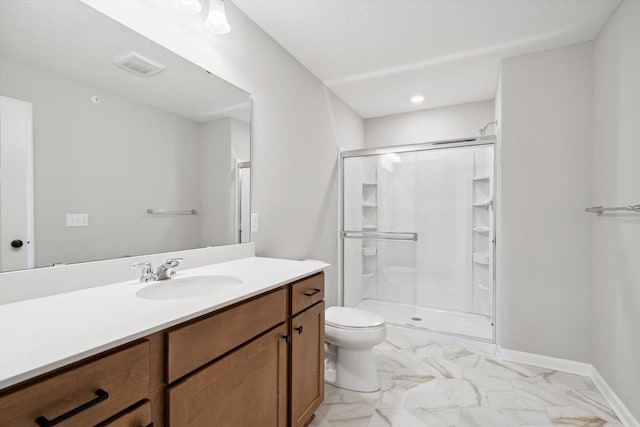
[
  {"x": 168, "y": 269},
  {"x": 147, "y": 271},
  {"x": 174, "y": 261},
  {"x": 146, "y": 265}
]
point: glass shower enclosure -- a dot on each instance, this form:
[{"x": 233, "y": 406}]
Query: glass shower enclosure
[{"x": 418, "y": 235}]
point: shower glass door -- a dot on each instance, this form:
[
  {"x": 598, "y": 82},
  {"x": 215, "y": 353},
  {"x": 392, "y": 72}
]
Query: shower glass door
[
  {"x": 418, "y": 237},
  {"x": 379, "y": 232}
]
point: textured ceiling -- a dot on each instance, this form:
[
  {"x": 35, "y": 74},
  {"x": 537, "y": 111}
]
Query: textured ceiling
[
  {"x": 375, "y": 54},
  {"x": 72, "y": 39}
]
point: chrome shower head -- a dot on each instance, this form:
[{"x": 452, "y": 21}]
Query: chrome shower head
[{"x": 484, "y": 129}]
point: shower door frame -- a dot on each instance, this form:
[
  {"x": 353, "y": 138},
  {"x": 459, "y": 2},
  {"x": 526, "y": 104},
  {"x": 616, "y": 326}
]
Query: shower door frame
[{"x": 489, "y": 140}]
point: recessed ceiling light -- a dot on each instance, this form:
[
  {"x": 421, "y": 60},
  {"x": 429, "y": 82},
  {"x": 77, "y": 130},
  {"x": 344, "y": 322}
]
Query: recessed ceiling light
[{"x": 416, "y": 99}]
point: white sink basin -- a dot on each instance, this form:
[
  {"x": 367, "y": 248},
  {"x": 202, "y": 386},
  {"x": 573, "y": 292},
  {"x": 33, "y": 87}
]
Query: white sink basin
[{"x": 188, "y": 287}]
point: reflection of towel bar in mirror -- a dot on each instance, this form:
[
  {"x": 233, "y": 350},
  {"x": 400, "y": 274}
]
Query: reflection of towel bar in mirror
[
  {"x": 172, "y": 212},
  {"x": 600, "y": 209},
  {"x": 388, "y": 235}
]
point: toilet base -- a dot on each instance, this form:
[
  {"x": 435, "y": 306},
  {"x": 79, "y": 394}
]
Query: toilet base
[{"x": 353, "y": 369}]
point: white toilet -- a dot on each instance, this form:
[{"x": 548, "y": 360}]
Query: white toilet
[{"x": 350, "y": 335}]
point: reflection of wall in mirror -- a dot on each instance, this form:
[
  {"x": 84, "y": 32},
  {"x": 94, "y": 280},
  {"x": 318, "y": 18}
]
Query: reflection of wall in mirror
[
  {"x": 114, "y": 160},
  {"x": 225, "y": 142}
]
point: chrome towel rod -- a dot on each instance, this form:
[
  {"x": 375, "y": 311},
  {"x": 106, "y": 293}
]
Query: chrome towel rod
[
  {"x": 378, "y": 235},
  {"x": 600, "y": 209},
  {"x": 172, "y": 212}
]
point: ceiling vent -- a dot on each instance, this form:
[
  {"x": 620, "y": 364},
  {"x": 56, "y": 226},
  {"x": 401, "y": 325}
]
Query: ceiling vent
[{"x": 138, "y": 64}]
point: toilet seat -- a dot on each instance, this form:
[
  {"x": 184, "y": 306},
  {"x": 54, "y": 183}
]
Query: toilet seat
[{"x": 352, "y": 318}]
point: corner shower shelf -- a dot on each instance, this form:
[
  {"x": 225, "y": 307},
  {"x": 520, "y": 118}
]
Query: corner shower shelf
[
  {"x": 481, "y": 258},
  {"x": 369, "y": 205},
  {"x": 369, "y": 227},
  {"x": 368, "y": 275},
  {"x": 370, "y": 184},
  {"x": 482, "y": 178},
  {"x": 369, "y": 251},
  {"x": 481, "y": 229}
]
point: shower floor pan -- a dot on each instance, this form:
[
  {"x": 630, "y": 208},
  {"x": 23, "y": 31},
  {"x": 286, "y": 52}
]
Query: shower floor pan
[{"x": 431, "y": 319}]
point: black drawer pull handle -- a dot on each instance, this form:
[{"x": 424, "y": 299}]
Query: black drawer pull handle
[
  {"x": 44, "y": 422},
  {"x": 286, "y": 338},
  {"x": 149, "y": 425},
  {"x": 299, "y": 329},
  {"x": 313, "y": 292}
]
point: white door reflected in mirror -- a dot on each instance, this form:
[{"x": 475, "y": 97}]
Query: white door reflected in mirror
[{"x": 16, "y": 175}]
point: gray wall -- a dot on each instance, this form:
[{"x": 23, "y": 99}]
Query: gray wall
[
  {"x": 297, "y": 127},
  {"x": 616, "y": 248},
  {"x": 113, "y": 161},
  {"x": 216, "y": 167},
  {"x": 544, "y": 236},
  {"x": 436, "y": 124}
]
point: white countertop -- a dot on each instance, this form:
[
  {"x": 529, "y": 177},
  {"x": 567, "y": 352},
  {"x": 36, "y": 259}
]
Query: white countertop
[{"x": 42, "y": 334}]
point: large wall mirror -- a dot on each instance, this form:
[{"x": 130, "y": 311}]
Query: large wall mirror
[{"x": 111, "y": 145}]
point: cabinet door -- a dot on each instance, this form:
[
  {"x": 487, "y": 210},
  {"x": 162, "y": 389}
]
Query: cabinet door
[
  {"x": 246, "y": 388},
  {"x": 307, "y": 364}
]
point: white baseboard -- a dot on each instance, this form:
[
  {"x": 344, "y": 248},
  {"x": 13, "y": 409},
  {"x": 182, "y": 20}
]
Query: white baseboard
[
  {"x": 578, "y": 368},
  {"x": 614, "y": 401},
  {"x": 570, "y": 366}
]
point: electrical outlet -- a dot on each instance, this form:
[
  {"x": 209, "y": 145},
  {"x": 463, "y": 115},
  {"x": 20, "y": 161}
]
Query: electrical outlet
[
  {"x": 77, "y": 220},
  {"x": 255, "y": 222}
]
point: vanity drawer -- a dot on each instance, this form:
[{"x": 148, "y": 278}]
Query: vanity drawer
[
  {"x": 138, "y": 416},
  {"x": 123, "y": 375},
  {"x": 201, "y": 341},
  {"x": 307, "y": 292}
]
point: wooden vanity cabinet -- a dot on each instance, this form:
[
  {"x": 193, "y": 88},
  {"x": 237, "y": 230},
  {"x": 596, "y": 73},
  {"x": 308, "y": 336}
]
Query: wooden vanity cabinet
[
  {"x": 247, "y": 387},
  {"x": 257, "y": 363},
  {"x": 200, "y": 341},
  {"x": 307, "y": 364},
  {"x": 274, "y": 380}
]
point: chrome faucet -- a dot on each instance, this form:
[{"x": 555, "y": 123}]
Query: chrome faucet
[
  {"x": 168, "y": 269},
  {"x": 163, "y": 272},
  {"x": 147, "y": 271}
]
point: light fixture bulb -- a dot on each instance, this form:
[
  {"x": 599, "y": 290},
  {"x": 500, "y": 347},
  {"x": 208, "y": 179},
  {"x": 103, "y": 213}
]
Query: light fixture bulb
[
  {"x": 217, "y": 19},
  {"x": 416, "y": 99},
  {"x": 188, "y": 7}
]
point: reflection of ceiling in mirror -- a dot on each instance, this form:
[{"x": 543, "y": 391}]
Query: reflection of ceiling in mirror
[{"x": 72, "y": 39}]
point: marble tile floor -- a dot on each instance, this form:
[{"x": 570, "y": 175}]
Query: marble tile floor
[{"x": 431, "y": 384}]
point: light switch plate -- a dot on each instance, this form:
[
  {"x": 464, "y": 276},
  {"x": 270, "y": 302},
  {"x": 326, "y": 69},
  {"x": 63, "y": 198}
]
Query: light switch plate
[
  {"x": 255, "y": 222},
  {"x": 77, "y": 220}
]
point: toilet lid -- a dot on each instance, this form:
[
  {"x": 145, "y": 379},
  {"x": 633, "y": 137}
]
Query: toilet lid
[{"x": 351, "y": 318}]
